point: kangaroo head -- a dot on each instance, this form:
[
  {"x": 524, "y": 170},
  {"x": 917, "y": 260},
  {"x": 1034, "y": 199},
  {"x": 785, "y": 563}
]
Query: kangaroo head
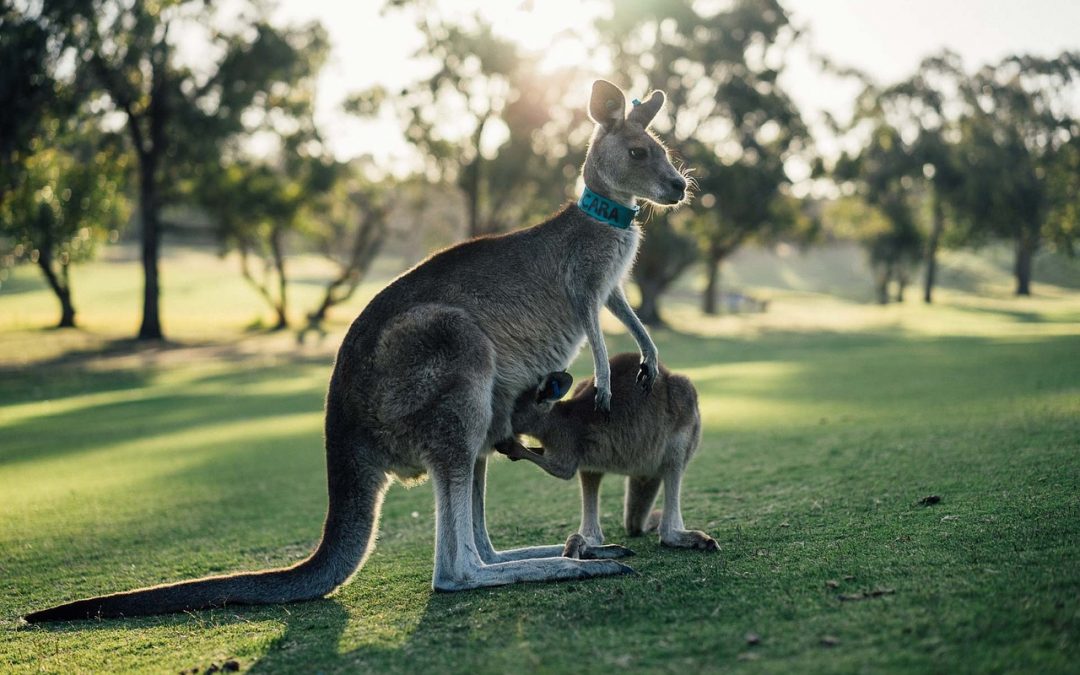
[
  {"x": 535, "y": 403},
  {"x": 625, "y": 161}
]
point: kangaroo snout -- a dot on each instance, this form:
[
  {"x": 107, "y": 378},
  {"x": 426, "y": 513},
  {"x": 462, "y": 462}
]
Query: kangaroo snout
[{"x": 677, "y": 191}]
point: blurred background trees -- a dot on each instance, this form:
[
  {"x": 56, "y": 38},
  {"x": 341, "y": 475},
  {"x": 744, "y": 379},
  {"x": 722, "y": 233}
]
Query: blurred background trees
[
  {"x": 176, "y": 117},
  {"x": 1020, "y": 131},
  {"x": 727, "y": 117},
  {"x": 202, "y": 118}
]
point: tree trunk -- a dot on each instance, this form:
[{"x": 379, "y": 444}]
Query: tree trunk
[
  {"x": 150, "y": 328},
  {"x": 282, "y": 304},
  {"x": 61, "y": 288},
  {"x": 649, "y": 309},
  {"x": 710, "y": 301},
  {"x": 882, "y": 276},
  {"x": 931, "y": 249},
  {"x": 470, "y": 182},
  {"x": 1025, "y": 251}
]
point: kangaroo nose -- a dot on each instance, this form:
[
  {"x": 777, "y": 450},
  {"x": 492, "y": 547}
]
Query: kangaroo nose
[{"x": 679, "y": 184}]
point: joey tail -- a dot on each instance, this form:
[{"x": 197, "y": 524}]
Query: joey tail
[{"x": 355, "y": 498}]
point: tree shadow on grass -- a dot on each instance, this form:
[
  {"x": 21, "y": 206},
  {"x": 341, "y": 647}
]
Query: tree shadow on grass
[{"x": 1011, "y": 314}]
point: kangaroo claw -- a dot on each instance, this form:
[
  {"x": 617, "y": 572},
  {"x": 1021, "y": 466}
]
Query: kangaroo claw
[{"x": 646, "y": 376}]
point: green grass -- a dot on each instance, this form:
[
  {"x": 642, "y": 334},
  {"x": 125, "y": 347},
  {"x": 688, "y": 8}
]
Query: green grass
[{"x": 826, "y": 421}]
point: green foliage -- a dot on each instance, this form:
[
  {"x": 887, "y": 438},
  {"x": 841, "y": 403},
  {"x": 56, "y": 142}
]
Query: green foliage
[
  {"x": 27, "y": 88},
  {"x": 68, "y": 197},
  {"x": 1062, "y": 226}
]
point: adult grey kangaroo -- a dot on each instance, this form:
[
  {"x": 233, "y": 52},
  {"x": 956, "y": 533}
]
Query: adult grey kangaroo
[
  {"x": 649, "y": 438},
  {"x": 426, "y": 378}
]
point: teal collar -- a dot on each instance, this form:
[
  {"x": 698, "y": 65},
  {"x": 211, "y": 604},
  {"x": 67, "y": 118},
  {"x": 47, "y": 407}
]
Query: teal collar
[{"x": 606, "y": 210}]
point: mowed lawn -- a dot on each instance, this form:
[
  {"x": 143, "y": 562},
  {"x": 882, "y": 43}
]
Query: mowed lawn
[{"x": 826, "y": 423}]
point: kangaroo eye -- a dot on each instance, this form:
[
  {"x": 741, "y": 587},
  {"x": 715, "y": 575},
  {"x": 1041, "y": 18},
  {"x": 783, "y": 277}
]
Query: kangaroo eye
[{"x": 638, "y": 153}]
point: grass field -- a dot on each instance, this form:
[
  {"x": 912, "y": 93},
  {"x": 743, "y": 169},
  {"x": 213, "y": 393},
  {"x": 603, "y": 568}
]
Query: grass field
[{"x": 826, "y": 422}]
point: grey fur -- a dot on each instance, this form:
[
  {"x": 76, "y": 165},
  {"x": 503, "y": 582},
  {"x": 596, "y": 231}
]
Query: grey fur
[
  {"x": 648, "y": 438},
  {"x": 426, "y": 378}
]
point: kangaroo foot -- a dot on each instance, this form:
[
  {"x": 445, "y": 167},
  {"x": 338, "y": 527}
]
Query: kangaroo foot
[{"x": 692, "y": 539}]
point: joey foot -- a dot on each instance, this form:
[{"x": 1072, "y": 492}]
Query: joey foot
[
  {"x": 692, "y": 539},
  {"x": 515, "y": 450},
  {"x": 576, "y": 547},
  {"x": 652, "y": 521}
]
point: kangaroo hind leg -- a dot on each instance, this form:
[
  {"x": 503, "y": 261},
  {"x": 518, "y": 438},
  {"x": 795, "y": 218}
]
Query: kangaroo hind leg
[{"x": 458, "y": 565}]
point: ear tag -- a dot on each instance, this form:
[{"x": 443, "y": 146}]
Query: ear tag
[{"x": 636, "y": 102}]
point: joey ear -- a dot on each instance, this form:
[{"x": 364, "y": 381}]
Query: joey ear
[
  {"x": 643, "y": 113},
  {"x": 607, "y": 105},
  {"x": 554, "y": 386}
]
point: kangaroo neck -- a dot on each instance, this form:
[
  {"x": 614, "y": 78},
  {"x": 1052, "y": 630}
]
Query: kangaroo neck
[{"x": 606, "y": 210}]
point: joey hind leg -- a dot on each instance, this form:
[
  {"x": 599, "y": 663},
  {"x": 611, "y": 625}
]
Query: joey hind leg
[
  {"x": 590, "y": 508},
  {"x": 672, "y": 531},
  {"x": 588, "y": 542},
  {"x": 640, "y": 496}
]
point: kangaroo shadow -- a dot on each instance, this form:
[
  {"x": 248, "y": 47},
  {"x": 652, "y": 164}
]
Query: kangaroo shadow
[{"x": 316, "y": 637}]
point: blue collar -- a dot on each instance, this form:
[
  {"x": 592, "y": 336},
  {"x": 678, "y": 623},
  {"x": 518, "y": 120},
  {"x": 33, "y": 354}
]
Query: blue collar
[{"x": 606, "y": 210}]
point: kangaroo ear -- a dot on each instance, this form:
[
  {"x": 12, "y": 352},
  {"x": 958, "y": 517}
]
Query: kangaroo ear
[
  {"x": 643, "y": 113},
  {"x": 607, "y": 106},
  {"x": 554, "y": 386}
]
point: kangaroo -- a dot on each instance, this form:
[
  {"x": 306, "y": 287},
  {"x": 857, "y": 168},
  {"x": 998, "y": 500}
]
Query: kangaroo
[
  {"x": 425, "y": 380},
  {"x": 649, "y": 438}
]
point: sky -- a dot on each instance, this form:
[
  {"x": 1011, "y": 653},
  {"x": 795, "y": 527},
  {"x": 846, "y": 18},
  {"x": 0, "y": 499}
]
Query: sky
[{"x": 885, "y": 38}]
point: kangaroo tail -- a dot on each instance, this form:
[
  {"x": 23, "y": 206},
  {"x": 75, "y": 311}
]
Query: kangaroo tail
[{"x": 355, "y": 498}]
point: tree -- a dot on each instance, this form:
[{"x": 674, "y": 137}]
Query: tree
[
  {"x": 928, "y": 105},
  {"x": 666, "y": 250},
  {"x": 177, "y": 116},
  {"x": 257, "y": 206},
  {"x": 66, "y": 198},
  {"x": 61, "y": 178},
  {"x": 349, "y": 229},
  {"x": 883, "y": 176},
  {"x": 488, "y": 120},
  {"x": 729, "y": 117},
  {"x": 1022, "y": 125}
]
